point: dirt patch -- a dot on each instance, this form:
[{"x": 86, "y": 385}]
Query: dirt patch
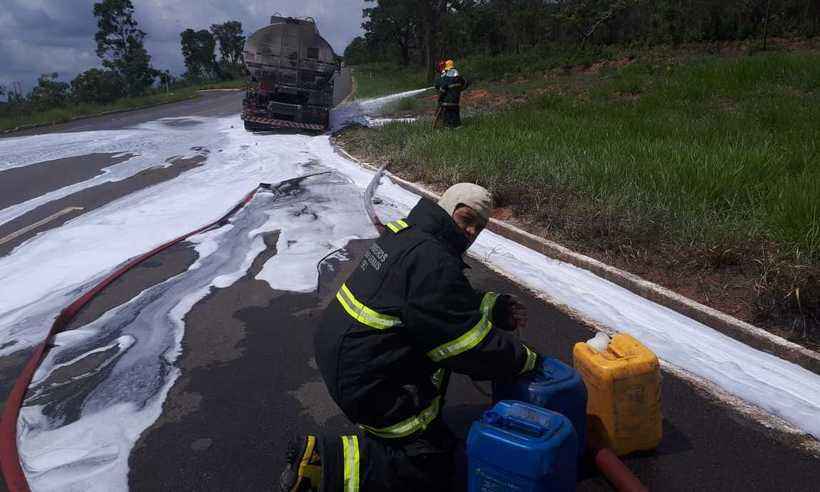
[
  {"x": 503, "y": 213},
  {"x": 476, "y": 95},
  {"x": 475, "y": 100},
  {"x": 597, "y": 67},
  {"x": 484, "y": 100}
]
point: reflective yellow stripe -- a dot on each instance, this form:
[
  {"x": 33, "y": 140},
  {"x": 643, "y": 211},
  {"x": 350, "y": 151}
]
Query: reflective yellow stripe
[
  {"x": 487, "y": 304},
  {"x": 532, "y": 358},
  {"x": 362, "y": 313},
  {"x": 409, "y": 426},
  {"x": 311, "y": 445},
  {"x": 438, "y": 377},
  {"x": 397, "y": 226},
  {"x": 350, "y": 447},
  {"x": 470, "y": 339}
]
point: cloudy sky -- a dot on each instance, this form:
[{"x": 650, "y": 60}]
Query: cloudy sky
[{"x": 44, "y": 36}]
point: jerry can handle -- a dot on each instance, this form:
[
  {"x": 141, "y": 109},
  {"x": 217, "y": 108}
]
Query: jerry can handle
[
  {"x": 620, "y": 353},
  {"x": 542, "y": 373},
  {"x": 513, "y": 423}
]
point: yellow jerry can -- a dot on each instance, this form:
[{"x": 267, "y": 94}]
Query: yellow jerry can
[{"x": 624, "y": 387}]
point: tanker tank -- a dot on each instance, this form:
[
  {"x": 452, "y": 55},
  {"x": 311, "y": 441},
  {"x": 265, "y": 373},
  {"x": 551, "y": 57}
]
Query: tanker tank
[{"x": 292, "y": 70}]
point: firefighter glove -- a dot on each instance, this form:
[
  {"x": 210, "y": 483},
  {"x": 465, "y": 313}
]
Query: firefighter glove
[{"x": 509, "y": 313}]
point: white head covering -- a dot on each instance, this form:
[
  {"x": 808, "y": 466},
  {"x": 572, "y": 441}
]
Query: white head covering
[{"x": 472, "y": 195}]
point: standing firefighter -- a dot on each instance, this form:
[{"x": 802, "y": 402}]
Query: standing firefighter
[
  {"x": 402, "y": 322},
  {"x": 449, "y": 86}
]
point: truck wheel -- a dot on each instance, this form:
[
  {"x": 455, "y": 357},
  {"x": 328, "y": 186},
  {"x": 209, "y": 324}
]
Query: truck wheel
[{"x": 252, "y": 127}]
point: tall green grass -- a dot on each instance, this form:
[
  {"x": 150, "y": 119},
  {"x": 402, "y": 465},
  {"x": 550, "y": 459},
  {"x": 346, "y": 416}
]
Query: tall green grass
[
  {"x": 719, "y": 148},
  {"x": 379, "y": 79}
]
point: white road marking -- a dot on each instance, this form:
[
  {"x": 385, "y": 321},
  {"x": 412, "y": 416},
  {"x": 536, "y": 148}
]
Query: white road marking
[{"x": 29, "y": 228}]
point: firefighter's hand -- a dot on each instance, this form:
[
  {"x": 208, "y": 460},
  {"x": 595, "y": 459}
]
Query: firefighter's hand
[{"x": 509, "y": 313}]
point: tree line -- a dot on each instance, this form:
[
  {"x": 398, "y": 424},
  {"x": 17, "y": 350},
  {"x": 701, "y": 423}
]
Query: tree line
[
  {"x": 421, "y": 31},
  {"x": 199, "y": 51},
  {"x": 126, "y": 69}
]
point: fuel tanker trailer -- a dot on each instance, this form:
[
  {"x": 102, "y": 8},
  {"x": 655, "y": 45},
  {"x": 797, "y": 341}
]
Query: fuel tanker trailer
[{"x": 292, "y": 70}]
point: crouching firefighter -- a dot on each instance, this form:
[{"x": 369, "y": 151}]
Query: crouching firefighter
[
  {"x": 403, "y": 321},
  {"x": 450, "y": 84}
]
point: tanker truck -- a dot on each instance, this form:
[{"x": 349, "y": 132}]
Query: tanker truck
[{"x": 291, "y": 74}]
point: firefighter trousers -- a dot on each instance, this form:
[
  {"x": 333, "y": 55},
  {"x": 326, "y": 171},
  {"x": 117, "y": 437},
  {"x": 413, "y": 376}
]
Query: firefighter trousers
[
  {"x": 452, "y": 116},
  {"x": 421, "y": 462}
]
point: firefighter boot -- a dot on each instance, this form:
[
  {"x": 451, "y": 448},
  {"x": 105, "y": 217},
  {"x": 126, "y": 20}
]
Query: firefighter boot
[{"x": 303, "y": 471}]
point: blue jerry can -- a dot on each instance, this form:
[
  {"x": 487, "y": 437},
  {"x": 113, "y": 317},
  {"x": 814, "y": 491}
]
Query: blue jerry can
[
  {"x": 555, "y": 386},
  {"x": 524, "y": 448}
]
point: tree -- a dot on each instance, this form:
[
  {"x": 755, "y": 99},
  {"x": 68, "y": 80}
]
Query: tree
[
  {"x": 357, "y": 52},
  {"x": 198, "y": 48},
  {"x": 409, "y": 22},
  {"x": 120, "y": 45},
  {"x": 425, "y": 30},
  {"x": 393, "y": 22},
  {"x": 166, "y": 79},
  {"x": 49, "y": 92},
  {"x": 14, "y": 94},
  {"x": 231, "y": 41},
  {"x": 432, "y": 13},
  {"x": 96, "y": 86}
]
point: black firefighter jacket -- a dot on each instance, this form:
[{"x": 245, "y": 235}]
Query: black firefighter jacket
[
  {"x": 450, "y": 86},
  {"x": 404, "y": 319}
]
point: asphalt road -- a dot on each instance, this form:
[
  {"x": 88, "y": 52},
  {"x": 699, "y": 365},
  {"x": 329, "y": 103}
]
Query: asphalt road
[
  {"x": 250, "y": 382},
  {"x": 20, "y": 184},
  {"x": 248, "y": 379},
  {"x": 210, "y": 103}
]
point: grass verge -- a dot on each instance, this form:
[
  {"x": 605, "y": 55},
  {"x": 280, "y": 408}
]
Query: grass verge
[
  {"x": 226, "y": 84},
  {"x": 702, "y": 176},
  {"x": 379, "y": 79}
]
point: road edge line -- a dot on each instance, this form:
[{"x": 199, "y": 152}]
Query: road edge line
[
  {"x": 739, "y": 330},
  {"x": 25, "y": 230}
]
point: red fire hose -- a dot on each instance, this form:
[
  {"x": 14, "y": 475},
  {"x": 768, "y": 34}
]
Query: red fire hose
[
  {"x": 615, "y": 471},
  {"x": 9, "y": 455}
]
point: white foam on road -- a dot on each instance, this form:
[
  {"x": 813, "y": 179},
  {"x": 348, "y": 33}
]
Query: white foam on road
[
  {"x": 152, "y": 145},
  {"x": 782, "y": 388},
  {"x": 55, "y": 265},
  {"x": 24, "y": 151},
  {"x": 52, "y": 268},
  {"x": 84, "y": 444},
  {"x": 377, "y": 122},
  {"x": 69, "y": 444},
  {"x": 777, "y": 386},
  {"x": 365, "y": 112},
  {"x": 89, "y": 450}
]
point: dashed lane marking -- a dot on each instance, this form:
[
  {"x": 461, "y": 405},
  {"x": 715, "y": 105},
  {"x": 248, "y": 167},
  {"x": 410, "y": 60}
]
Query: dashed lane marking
[{"x": 39, "y": 223}]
